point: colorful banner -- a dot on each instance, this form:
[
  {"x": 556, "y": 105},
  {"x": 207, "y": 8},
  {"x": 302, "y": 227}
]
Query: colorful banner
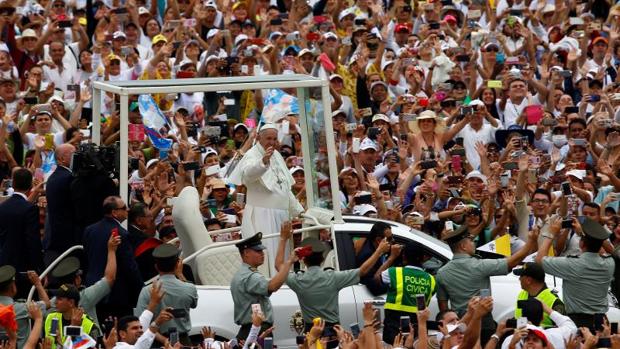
[{"x": 153, "y": 120}]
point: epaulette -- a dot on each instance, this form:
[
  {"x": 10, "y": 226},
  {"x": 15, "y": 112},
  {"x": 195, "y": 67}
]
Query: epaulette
[{"x": 573, "y": 256}]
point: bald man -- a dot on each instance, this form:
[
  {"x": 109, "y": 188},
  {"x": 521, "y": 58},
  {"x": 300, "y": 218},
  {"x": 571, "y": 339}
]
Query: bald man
[
  {"x": 269, "y": 199},
  {"x": 62, "y": 232}
]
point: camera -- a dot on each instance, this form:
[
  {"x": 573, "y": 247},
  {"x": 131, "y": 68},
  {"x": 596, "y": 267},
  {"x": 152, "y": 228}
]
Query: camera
[{"x": 91, "y": 159}]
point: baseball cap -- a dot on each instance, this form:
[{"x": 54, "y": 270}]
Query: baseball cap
[
  {"x": 118, "y": 35},
  {"x": 367, "y": 143},
  {"x": 401, "y": 28},
  {"x": 363, "y": 209},
  {"x": 295, "y": 169},
  {"x": 159, "y": 37},
  {"x": 477, "y": 174},
  {"x": 378, "y": 117},
  {"x": 599, "y": 39},
  {"x": 68, "y": 291}
]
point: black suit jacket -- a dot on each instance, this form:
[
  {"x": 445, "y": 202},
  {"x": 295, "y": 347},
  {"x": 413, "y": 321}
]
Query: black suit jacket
[
  {"x": 63, "y": 233},
  {"x": 128, "y": 281},
  {"x": 20, "y": 237}
]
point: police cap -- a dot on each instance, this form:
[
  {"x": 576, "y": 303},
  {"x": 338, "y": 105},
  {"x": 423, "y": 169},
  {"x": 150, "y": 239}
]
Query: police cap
[
  {"x": 533, "y": 270},
  {"x": 68, "y": 291},
  {"x": 7, "y": 273},
  {"x": 66, "y": 267},
  {"x": 594, "y": 229},
  {"x": 317, "y": 245},
  {"x": 456, "y": 235},
  {"x": 165, "y": 251},
  {"x": 253, "y": 242}
]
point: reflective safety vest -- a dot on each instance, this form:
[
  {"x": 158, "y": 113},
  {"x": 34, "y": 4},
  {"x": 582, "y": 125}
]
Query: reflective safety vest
[
  {"x": 87, "y": 326},
  {"x": 405, "y": 284},
  {"x": 547, "y": 297}
]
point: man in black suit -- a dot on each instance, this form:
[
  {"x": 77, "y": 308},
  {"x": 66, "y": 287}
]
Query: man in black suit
[
  {"x": 63, "y": 233},
  {"x": 128, "y": 283},
  {"x": 142, "y": 238},
  {"x": 20, "y": 237}
]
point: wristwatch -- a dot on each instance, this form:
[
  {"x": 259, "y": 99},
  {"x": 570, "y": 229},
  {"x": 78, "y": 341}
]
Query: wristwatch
[{"x": 155, "y": 325}]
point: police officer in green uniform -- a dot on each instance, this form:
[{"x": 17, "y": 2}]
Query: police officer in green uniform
[
  {"x": 317, "y": 289},
  {"x": 405, "y": 283},
  {"x": 68, "y": 314},
  {"x": 180, "y": 294},
  {"x": 8, "y": 290},
  {"x": 466, "y": 274},
  {"x": 586, "y": 278},
  {"x": 68, "y": 272},
  {"x": 248, "y": 286},
  {"x": 532, "y": 280}
]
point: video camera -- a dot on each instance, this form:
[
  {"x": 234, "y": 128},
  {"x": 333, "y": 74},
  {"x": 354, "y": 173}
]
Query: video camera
[{"x": 90, "y": 159}]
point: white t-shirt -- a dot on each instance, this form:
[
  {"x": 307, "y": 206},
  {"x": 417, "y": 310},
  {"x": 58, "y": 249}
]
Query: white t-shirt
[
  {"x": 486, "y": 135},
  {"x": 58, "y": 139}
]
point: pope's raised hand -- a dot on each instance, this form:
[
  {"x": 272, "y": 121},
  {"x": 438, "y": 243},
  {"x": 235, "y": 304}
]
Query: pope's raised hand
[{"x": 267, "y": 156}]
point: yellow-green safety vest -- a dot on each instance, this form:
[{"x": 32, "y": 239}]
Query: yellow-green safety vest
[
  {"x": 405, "y": 284},
  {"x": 545, "y": 296},
  {"x": 87, "y": 326}
]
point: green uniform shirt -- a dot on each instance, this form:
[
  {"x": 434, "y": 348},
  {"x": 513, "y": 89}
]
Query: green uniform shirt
[
  {"x": 89, "y": 298},
  {"x": 21, "y": 316},
  {"x": 179, "y": 295},
  {"x": 585, "y": 281},
  {"x": 317, "y": 291},
  {"x": 248, "y": 287},
  {"x": 464, "y": 276}
]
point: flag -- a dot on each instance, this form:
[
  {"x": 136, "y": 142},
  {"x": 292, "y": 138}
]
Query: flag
[
  {"x": 153, "y": 121},
  {"x": 500, "y": 246},
  {"x": 7, "y": 317},
  {"x": 278, "y": 104},
  {"x": 79, "y": 342}
]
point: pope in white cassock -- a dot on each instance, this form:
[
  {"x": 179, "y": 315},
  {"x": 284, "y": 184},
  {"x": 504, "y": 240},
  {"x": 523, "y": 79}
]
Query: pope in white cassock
[{"x": 269, "y": 199}]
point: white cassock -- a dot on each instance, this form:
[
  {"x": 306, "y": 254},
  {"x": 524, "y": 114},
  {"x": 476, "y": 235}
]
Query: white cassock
[{"x": 269, "y": 198}]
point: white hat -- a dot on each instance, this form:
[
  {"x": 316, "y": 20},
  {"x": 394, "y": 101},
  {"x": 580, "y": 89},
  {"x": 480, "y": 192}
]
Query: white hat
[
  {"x": 329, "y": 35},
  {"x": 460, "y": 326},
  {"x": 378, "y": 117},
  {"x": 143, "y": 11},
  {"x": 338, "y": 112},
  {"x": 55, "y": 98},
  {"x": 295, "y": 169},
  {"x": 212, "y": 58},
  {"x": 272, "y": 35},
  {"x": 368, "y": 143},
  {"x": 304, "y": 51},
  {"x": 363, "y": 209},
  {"x": 476, "y": 102},
  {"x": 377, "y": 83},
  {"x": 579, "y": 174},
  {"x": 427, "y": 114},
  {"x": 211, "y": 33},
  {"x": 346, "y": 12},
  {"x": 240, "y": 38},
  {"x": 151, "y": 162},
  {"x": 119, "y": 34},
  {"x": 210, "y": 3},
  {"x": 477, "y": 174},
  {"x": 29, "y": 33},
  {"x": 210, "y": 151},
  {"x": 347, "y": 169},
  {"x": 385, "y": 64},
  {"x": 548, "y": 8},
  {"x": 186, "y": 61},
  {"x": 267, "y": 126},
  {"x": 333, "y": 76}
]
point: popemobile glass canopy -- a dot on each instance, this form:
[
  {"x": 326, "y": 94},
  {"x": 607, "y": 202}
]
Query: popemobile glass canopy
[{"x": 306, "y": 95}]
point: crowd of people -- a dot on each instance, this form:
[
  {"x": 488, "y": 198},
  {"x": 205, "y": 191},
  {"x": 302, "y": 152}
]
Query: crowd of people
[{"x": 480, "y": 123}]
